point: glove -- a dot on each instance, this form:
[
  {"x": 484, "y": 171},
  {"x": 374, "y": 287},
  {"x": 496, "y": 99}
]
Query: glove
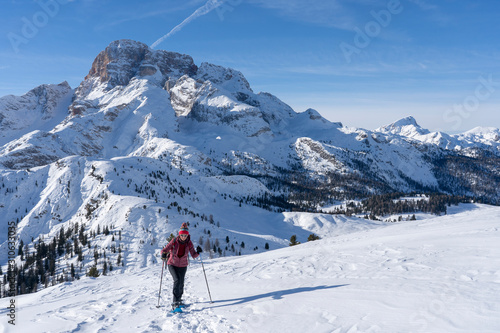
[
  {"x": 164, "y": 256},
  {"x": 198, "y": 249}
]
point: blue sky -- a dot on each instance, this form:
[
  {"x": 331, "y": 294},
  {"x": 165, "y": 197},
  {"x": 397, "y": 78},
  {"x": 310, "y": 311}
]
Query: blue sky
[{"x": 363, "y": 63}]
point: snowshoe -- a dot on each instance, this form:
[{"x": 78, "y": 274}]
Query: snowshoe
[{"x": 177, "y": 310}]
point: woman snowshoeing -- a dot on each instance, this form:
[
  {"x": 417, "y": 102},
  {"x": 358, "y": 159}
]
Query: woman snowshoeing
[{"x": 177, "y": 262}]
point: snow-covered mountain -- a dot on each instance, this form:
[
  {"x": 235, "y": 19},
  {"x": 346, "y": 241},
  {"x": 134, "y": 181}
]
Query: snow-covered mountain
[
  {"x": 135, "y": 98},
  {"x": 487, "y": 138},
  {"x": 149, "y": 140},
  {"x": 41, "y": 108}
]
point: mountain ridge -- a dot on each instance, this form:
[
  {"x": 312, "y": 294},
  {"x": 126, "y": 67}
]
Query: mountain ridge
[{"x": 121, "y": 107}]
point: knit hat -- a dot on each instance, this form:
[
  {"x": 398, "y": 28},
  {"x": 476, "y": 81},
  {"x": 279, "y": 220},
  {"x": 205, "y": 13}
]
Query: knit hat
[{"x": 184, "y": 229}]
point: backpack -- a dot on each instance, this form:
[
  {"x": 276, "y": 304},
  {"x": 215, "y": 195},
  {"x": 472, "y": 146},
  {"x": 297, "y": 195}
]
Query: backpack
[{"x": 169, "y": 252}]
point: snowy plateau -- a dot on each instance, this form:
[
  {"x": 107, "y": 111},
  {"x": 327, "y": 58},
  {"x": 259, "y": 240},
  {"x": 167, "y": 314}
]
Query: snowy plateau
[{"x": 98, "y": 176}]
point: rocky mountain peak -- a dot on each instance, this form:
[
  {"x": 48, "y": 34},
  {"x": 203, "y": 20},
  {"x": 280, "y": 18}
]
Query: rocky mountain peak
[
  {"x": 123, "y": 59},
  {"x": 227, "y": 78},
  {"x": 118, "y": 62},
  {"x": 406, "y": 126},
  {"x": 406, "y": 121},
  {"x": 44, "y": 105},
  {"x": 41, "y": 100}
]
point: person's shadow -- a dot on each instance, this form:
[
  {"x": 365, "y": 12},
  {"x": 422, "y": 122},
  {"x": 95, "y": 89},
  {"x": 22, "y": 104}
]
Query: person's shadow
[{"x": 273, "y": 294}]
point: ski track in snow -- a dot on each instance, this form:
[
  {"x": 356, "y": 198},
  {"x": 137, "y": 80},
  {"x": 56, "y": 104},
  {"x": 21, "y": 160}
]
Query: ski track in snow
[{"x": 436, "y": 275}]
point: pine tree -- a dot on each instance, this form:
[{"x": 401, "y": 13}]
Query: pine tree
[
  {"x": 293, "y": 240},
  {"x": 20, "y": 251},
  {"x": 93, "y": 272},
  {"x": 312, "y": 237},
  {"x": 207, "y": 246}
]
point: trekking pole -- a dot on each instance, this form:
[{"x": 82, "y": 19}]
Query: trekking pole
[
  {"x": 161, "y": 279},
  {"x": 202, "y": 266}
]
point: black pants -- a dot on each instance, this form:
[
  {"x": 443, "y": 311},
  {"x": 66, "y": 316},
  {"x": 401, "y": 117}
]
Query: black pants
[{"x": 178, "y": 274}]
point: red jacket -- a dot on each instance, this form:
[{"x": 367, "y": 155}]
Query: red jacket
[{"x": 173, "y": 247}]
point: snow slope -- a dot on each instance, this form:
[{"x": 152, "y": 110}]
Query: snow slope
[
  {"x": 41, "y": 109},
  {"x": 435, "y": 275}
]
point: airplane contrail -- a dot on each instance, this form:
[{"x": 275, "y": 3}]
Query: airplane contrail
[{"x": 205, "y": 9}]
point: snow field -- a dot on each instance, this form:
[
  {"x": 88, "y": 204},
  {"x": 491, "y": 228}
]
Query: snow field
[{"x": 436, "y": 275}]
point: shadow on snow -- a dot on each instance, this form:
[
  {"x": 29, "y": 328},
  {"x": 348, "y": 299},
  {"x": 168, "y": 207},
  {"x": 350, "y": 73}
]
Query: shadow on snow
[{"x": 274, "y": 295}]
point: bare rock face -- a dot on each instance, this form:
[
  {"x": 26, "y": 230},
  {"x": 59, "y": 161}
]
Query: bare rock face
[
  {"x": 171, "y": 64},
  {"x": 147, "y": 70},
  {"x": 118, "y": 63},
  {"x": 124, "y": 59}
]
